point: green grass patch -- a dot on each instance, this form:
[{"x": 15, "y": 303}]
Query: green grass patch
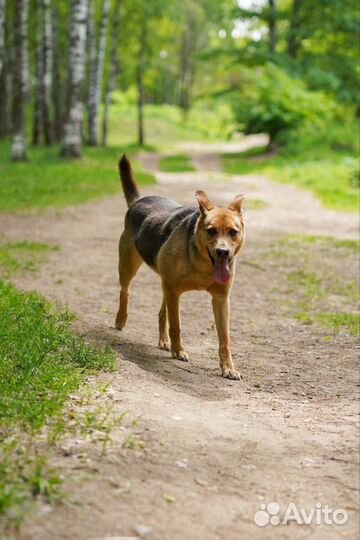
[
  {"x": 328, "y": 241},
  {"x": 341, "y": 321},
  {"x": 176, "y": 163},
  {"x": 22, "y": 256},
  {"x": 50, "y": 180},
  {"x": 255, "y": 204},
  {"x": 329, "y": 175},
  {"x": 321, "y": 275},
  {"x": 41, "y": 359},
  {"x": 41, "y": 362},
  {"x": 335, "y": 322},
  {"x": 308, "y": 281}
]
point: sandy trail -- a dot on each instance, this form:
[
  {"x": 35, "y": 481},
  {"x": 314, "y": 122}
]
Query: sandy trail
[{"x": 286, "y": 433}]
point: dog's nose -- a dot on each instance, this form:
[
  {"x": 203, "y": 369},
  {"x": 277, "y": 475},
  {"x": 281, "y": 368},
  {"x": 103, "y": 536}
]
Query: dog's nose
[{"x": 222, "y": 253}]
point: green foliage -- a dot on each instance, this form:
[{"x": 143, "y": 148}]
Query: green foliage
[
  {"x": 270, "y": 101},
  {"x": 177, "y": 163},
  {"x": 320, "y": 158},
  {"x": 165, "y": 124},
  {"x": 21, "y": 256},
  {"x": 49, "y": 180}
]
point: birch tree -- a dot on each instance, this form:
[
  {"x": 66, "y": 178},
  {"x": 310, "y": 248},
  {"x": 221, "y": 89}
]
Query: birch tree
[
  {"x": 114, "y": 71},
  {"x": 72, "y": 141},
  {"x": 57, "y": 86},
  {"x": 46, "y": 83},
  {"x": 20, "y": 79},
  {"x": 96, "y": 77}
]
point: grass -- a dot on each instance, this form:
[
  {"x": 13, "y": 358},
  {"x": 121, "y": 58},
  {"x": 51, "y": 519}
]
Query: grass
[
  {"x": 18, "y": 257},
  {"x": 41, "y": 363},
  {"x": 254, "y": 204},
  {"x": 176, "y": 163},
  {"x": 320, "y": 290},
  {"x": 329, "y": 241},
  {"x": 165, "y": 125},
  {"x": 328, "y": 174},
  {"x": 341, "y": 321},
  {"x": 49, "y": 180}
]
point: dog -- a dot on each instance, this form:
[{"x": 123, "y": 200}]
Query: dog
[{"x": 190, "y": 249}]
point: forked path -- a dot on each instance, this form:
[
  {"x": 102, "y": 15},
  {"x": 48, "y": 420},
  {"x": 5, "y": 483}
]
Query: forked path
[{"x": 206, "y": 452}]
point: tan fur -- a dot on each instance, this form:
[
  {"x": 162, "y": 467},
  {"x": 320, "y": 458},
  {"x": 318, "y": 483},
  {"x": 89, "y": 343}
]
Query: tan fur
[{"x": 183, "y": 268}]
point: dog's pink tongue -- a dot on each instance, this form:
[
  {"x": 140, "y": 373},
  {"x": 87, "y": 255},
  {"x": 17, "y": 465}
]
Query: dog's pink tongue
[{"x": 222, "y": 272}]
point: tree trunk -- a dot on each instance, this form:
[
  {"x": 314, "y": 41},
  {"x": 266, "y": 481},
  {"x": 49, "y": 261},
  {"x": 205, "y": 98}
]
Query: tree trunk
[
  {"x": 188, "y": 47},
  {"x": 72, "y": 142},
  {"x": 272, "y": 26},
  {"x": 114, "y": 71},
  {"x": 46, "y": 85},
  {"x": 20, "y": 79},
  {"x": 140, "y": 86},
  {"x": 39, "y": 62},
  {"x": 57, "y": 87},
  {"x": 295, "y": 23},
  {"x": 96, "y": 78},
  {"x": 4, "y": 64},
  {"x": 2, "y": 35}
]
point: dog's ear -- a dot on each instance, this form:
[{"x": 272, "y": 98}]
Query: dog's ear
[
  {"x": 235, "y": 205},
  {"x": 205, "y": 204}
]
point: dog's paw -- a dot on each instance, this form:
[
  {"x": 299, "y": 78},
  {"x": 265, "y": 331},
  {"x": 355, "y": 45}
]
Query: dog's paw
[
  {"x": 164, "y": 345},
  {"x": 180, "y": 355},
  {"x": 231, "y": 374}
]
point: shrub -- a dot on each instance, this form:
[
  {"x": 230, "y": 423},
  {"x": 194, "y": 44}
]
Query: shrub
[{"x": 272, "y": 102}]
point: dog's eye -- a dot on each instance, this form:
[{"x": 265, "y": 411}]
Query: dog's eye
[
  {"x": 211, "y": 231},
  {"x": 233, "y": 233}
]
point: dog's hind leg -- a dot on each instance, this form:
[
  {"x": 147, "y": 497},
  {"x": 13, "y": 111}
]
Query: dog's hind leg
[
  {"x": 163, "y": 327},
  {"x": 129, "y": 263}
]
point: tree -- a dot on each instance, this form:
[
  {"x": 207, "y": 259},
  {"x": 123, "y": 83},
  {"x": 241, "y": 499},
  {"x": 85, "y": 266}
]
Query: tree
[
  {"x": 47, "y": 72},
  {"x": 96, "y": 76},
  {"x": 72, "y": 140},
  {"x": 20, "y": 79},
  {"x": 294, "y": 29},
  {"x": 140, "y": 83},
  {"x": 57, "y": 87},
  {"x": 39, "y": 71},
  {"x": 114, "y": 70},
  {"x": 272, "y": 26},
  {"x": 2, "y": 35}
]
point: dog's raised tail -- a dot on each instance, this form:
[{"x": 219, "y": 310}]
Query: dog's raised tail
[{"x": 130, "y": 188}]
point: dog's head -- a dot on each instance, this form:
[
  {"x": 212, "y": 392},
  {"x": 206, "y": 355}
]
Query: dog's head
[{"x": 220, "y": 234}]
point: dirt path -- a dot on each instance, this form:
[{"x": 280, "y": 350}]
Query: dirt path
[{"x": 210, "y": 451}]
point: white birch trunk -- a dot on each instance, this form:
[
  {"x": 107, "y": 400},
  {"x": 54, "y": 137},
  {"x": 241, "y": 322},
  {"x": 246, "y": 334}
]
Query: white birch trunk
[
  {"x": 20, "y": 80},
  {"x": 47, "y": 72},
  {"x": 96, "y": 77},
  {"x": 72, "y": 143}
]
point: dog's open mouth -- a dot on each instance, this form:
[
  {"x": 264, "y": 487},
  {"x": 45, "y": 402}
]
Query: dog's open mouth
[{"x": 221, "y": 270}]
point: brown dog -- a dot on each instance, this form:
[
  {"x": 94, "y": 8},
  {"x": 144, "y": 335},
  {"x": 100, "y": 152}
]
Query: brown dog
[{"x": 190, "y": 248}]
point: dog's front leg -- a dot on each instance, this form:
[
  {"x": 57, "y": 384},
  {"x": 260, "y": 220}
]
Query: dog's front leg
[
  {"x": 172, "y": 302},
  {"x": 221, "y": 307}
]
